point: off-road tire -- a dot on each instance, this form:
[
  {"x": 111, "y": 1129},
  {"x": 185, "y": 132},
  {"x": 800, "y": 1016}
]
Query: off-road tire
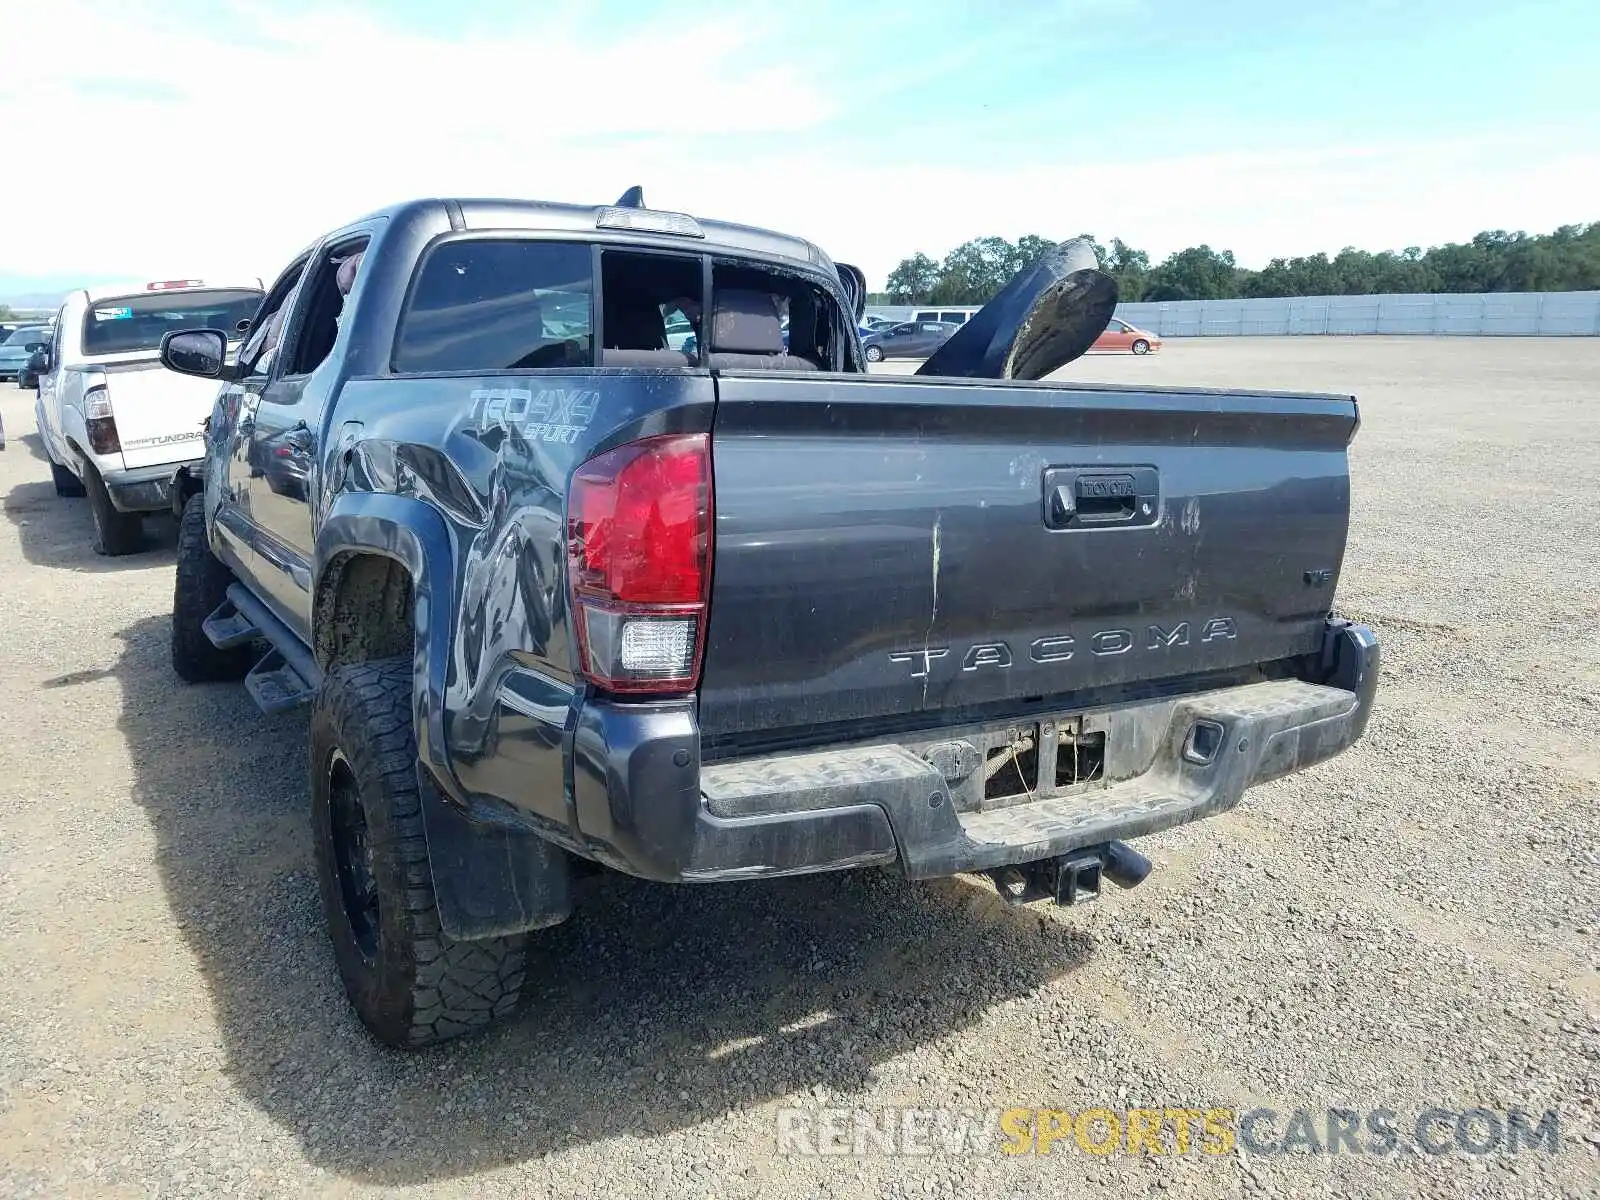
[
  {"x": 199, "y": 588},
  {"x": 67, "y": 484},
  {"x": 874, "y": 354},
  {"x": 115, "y": 533},
  {"x": 413, "y": 986},
  {"x": 1140, "y": 346}
]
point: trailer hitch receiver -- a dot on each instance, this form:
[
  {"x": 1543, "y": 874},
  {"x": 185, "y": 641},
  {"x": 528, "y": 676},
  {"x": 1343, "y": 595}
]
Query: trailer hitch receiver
[{"x": 1073, "y": 878}]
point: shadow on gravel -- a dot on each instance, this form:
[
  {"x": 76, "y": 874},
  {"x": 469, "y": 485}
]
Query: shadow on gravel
[
  {"x": 35, "y": 445},
  {"x": 57, "y": 531},
  {"x": 659, "y": 1007}
]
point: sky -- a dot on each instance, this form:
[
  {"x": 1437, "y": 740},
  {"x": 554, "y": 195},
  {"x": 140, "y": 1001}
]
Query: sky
[{"x": 168, "y": 143}]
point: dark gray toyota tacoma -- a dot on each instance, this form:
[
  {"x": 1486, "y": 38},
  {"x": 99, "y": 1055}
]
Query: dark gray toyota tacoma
[{"x": 563, "y": 595}]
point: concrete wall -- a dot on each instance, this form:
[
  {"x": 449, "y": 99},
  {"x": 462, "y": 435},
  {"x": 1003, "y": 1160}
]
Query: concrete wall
[{"x": 1510, "y": 314}]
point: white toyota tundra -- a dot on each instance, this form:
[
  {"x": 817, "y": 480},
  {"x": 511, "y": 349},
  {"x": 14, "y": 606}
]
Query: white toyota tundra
[{"x": 116, "y": 424}]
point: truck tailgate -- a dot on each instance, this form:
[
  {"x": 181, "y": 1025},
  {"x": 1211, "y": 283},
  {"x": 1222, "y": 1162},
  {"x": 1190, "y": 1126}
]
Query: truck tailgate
[
  {"x": 159, "y": 412},
  {"x": 897, "y": 553}
]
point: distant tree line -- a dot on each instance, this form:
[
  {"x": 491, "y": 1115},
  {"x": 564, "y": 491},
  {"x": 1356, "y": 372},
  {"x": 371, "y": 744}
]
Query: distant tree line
[{"x": 1494, "y": 261}]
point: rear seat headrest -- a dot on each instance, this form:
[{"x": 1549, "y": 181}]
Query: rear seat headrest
[
  {"x": 746, "y": 322},
  {"x": 637, "y": 325}
]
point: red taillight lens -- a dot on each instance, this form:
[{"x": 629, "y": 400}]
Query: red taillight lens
[
  {"x": 639, "y": 556},
  {"x": 638, "y": 520}
]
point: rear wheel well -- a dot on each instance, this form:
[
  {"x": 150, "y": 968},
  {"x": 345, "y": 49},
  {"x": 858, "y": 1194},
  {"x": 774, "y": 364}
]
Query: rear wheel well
[
  {"x": 363, "y": 611},
  {"x": 184, "y": 485}
]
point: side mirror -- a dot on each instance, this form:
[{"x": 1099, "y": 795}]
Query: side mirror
[
  {"x": 201, "y": 352},
  {"x": 39, "y": 361}
]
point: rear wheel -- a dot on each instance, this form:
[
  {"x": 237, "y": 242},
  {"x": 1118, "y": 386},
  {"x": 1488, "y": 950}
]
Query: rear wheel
[
  {"x": 410, "y": 984},
  {"x": 67, "y": 484},
  {"x": 115, "y": 533},
  {"x": 874, "y": 354},
  {"x": 1141, "y": 347},
  {"x": 200, "y": 587}
]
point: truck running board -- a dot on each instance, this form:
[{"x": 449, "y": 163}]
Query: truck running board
[
  {"x": 228, "y": 627},
  {"x": 287, "y": 676},
  {"x": 276, "y": 686}
]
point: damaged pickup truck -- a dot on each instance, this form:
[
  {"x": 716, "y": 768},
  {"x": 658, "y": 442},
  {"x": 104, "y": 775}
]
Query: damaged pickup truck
[{"x": 561, "y": 597}]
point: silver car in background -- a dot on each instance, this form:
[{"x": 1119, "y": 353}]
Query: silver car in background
[{"x": 909, "y": 339}]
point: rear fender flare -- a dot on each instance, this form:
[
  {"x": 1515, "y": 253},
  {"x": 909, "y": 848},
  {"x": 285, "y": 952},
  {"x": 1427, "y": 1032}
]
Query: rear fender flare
[
  {"x": 415, "y": 536},
  {"x": 490, "y": 878}
]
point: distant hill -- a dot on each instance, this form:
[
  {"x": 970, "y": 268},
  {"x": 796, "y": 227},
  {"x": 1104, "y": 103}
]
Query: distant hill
[
  {"x": 32, "y": 299},
  {"x": 35, "y": 291}
]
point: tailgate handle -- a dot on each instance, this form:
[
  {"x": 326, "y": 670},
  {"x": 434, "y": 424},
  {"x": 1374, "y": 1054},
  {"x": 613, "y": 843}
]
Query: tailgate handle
[
  {"x": 1088, "y": 498},
  {"x": 1105, "y": 498}
]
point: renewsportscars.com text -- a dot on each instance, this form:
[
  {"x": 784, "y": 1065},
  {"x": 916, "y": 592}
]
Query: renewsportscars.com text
[{"x": 1176, "y": 1130}]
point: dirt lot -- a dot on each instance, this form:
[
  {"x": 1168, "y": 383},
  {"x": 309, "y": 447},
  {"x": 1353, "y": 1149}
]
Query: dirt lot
[{"x": 1411, "y": 926}]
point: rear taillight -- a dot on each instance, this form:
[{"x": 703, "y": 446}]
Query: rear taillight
[
  {"x": 99, "y": 421},
  {"x": 639, "y": 562}
]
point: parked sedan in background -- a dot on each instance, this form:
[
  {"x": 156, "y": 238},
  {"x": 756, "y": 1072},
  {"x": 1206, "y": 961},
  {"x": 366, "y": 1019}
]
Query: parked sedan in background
[
  {"x": 1123, "y": 338},
  {"x": 910, "y": 339},
  {"x": 18, "y": 346}
]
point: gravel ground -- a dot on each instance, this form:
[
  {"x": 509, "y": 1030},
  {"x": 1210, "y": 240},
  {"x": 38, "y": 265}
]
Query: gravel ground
[{"x": 1410, "y": 926}]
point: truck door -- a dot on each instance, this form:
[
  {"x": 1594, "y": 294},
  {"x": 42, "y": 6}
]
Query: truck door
[
  {"x": 231, "y": 462},
  {"x": 47, "y": 412},
  {"x": 282, "y": 440}
]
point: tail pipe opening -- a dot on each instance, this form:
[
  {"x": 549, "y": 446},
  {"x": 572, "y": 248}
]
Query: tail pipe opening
[{"x": 1074, "y": 878}]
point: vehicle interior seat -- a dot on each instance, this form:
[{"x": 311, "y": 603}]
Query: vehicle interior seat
[
  {"x": 803, "y": 331},
  {"x": 747, "y": 333},
  {"x": 636, "y": 336}
]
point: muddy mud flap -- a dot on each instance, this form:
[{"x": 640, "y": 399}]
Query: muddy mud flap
[{"x": 491, "y": 878}]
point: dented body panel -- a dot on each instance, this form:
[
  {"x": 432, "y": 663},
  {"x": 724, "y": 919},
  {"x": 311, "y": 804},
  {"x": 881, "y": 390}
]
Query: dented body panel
[{"x": 910, "y": 575}]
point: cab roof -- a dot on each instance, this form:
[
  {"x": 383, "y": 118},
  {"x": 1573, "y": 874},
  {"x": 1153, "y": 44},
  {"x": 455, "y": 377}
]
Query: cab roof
[{"x": 656, "y": 226}]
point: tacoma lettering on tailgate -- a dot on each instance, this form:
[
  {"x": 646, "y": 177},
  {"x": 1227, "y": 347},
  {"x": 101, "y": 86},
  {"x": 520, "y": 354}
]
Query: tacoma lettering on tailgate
[{"x": 1060, "y": 647}]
